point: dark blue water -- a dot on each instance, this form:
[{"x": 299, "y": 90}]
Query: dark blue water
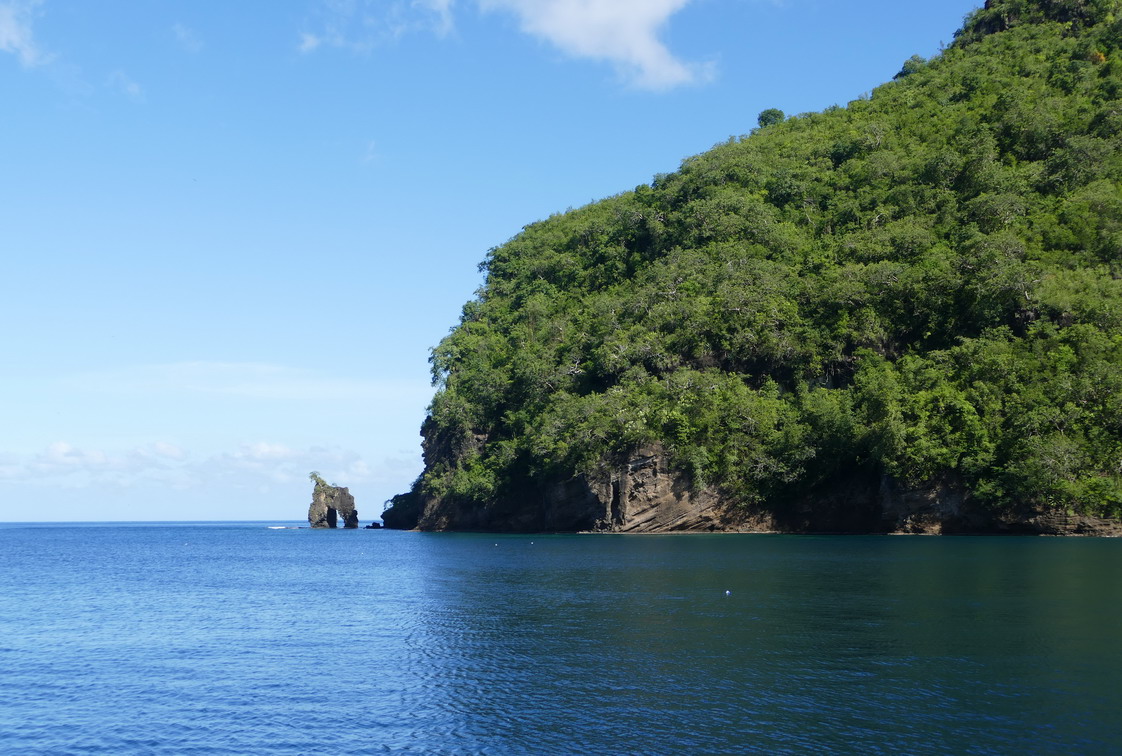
[{"x": 236, "y": 639}]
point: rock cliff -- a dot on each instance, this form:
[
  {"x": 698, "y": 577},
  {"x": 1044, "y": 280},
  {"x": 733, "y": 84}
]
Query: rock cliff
[
  {"x": 330, "y": 504},
  {"x": 644, "y": 494}
]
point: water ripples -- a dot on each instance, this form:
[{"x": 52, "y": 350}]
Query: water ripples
[{"x": 242, "y": 640}]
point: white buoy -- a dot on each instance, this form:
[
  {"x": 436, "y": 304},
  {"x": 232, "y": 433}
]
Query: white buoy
[{"x": 728, "y": 593}]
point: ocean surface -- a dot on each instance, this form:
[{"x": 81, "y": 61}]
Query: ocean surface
[{"x": 233, "y": 638}]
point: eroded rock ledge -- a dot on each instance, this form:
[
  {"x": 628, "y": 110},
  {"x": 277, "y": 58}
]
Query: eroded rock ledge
[{"x": 645, "y": 495}]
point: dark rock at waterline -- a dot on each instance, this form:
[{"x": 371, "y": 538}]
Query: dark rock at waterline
[
  {"x": 644, "y": 493},
  {"x": 374, "y": 526}
]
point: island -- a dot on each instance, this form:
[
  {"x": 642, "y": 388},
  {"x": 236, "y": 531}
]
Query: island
[{"x": 903, "y": 315}]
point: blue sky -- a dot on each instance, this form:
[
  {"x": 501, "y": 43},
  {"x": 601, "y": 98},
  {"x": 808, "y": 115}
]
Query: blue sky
[{"x": 231, "y": 232}]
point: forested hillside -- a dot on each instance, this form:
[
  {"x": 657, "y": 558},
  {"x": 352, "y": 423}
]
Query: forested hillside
[{"x": 922, "y": 286}]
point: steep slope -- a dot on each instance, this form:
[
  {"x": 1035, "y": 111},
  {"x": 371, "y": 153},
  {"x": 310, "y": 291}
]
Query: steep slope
[{"x": 904, "y": 314}]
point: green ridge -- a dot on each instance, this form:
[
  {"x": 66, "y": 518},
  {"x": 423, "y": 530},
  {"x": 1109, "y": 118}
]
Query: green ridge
[{"x": 923, "y": 284}]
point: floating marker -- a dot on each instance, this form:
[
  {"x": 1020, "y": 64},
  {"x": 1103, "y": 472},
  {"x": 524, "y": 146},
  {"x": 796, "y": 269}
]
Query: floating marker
[{"x": 728, "y": 593}]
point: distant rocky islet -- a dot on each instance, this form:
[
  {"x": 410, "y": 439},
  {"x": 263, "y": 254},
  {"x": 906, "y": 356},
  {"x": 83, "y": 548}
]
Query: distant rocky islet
[{"x": 332, "y": 505}]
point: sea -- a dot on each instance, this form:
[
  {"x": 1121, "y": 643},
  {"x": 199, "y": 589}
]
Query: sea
[{"x": 265, "y": 638}]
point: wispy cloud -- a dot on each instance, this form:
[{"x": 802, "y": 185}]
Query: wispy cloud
[
  {"x": 370, "y": 154},
  {"x": 362, "y": 25},
  {"x": 622, "y": 32},
  {"x": 441, "y": 10},
  {"x": 186, "y": 38},
  {"x": 63, "y": 462},
  {"x": 253, "y": 465},
  {"x": 16, "y": 36},
  {"x": 246, "y": 380},
  {"x": 279, "y": 464},
  {"x": 309, "y": 42},
  {"x": 121, "y": 82}
]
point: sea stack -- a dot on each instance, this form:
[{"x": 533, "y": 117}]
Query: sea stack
[{"x": 330, "y": 504}]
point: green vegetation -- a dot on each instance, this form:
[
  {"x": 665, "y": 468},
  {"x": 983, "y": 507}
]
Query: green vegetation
[
  {"x": 923, "y": 284},
  {"x": 770, "y": 116},
  {"x": 321, "y": 484}
]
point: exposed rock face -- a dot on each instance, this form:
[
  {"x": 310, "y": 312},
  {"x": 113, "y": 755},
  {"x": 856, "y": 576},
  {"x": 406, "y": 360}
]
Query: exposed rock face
[
  {"x": 1057, "y": 523},
  {"x": 330, "y": 504},
  {"x": 404, "y": 512},
  {"x": 644, "y": 495},
  {"x": 641, "y": 496}
]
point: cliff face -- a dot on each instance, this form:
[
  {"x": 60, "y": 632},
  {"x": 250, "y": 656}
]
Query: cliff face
[
  {"x": 641, "y": 495},
  {"x": 645, "y": 495}
]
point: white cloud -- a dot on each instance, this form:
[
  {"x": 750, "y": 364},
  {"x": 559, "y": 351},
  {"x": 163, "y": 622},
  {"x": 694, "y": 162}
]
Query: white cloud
[
  {"x": 161, "y": 481},
  {"x": 254, "y": 464},
  {"x": 249, "y": 466},
  {"x": 63, "y": 462},
  {"x": 186, "y": 38},
  {"x": 623, "y": 32},
  {"x": 247, "y": 380},
  {"x": 167, "y": 451},
  {"x": 15, "y": 32},
  {"x": 62, "y": 456}
]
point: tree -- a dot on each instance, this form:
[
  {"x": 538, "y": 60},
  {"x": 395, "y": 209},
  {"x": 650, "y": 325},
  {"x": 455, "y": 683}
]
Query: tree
[{"x": 769, "y": 117}]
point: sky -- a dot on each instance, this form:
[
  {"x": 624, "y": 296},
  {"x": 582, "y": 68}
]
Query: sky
[{"x": 232, "y": 232}]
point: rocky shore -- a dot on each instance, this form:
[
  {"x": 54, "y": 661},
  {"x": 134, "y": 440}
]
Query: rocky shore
[{"x": 645, "y": 495}]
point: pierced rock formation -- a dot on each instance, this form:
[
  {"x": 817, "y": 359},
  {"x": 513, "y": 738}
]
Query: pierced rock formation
[{"x": 330, "y": 504}]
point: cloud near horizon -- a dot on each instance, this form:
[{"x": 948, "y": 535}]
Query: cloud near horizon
[
  {"x": 624, "y": 33},
  {"x": 253, "y": 465},
  {"x": 62, "y": 462}
]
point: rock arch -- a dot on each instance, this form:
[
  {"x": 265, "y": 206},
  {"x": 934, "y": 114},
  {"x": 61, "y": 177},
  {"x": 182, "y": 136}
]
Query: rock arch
[{"x": 330, "y": 504}]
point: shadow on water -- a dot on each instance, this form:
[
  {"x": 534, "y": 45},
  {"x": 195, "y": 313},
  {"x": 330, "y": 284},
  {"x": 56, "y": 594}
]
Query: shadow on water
[{"x": 914, "y": 644}]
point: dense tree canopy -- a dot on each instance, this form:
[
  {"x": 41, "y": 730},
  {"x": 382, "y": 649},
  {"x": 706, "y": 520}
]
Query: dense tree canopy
[{"x": 926, "y": 283}]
